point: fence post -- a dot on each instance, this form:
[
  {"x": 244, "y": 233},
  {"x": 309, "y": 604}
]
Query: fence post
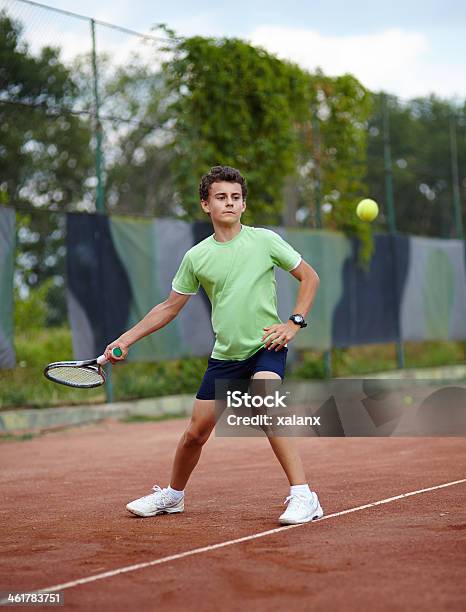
[
  {"x": 400, "y": 358},
  {"x": 317, "y": 200},
  {"x": 317, "y": 160},
  {"x": 100, "y": 193},
  {"x": 455, "y": 179}
]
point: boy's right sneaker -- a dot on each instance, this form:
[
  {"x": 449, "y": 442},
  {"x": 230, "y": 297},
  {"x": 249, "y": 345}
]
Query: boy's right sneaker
[
  {"x": 159, "y": 502},
  {"x": 301, "y": 509}
]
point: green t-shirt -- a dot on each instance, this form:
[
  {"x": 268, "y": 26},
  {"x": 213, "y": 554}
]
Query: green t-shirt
[{"x": 239, "y": 279}]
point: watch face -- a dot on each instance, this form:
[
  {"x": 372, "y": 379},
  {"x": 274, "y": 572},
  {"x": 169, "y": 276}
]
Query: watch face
[{"x": 298, "y": 318}]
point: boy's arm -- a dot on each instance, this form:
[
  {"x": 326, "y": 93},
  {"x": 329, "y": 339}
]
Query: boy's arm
[
  {"x": 309, "y": 283},
  {"x": 281, "y": 333},
  {"x": 155, "y": 319}
]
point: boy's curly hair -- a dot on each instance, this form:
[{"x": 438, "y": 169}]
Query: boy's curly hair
[{"x": 221, "y": 173}]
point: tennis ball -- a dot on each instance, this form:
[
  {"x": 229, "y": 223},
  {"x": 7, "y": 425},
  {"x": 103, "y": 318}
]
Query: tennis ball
[{"x": 367, "y": 210}]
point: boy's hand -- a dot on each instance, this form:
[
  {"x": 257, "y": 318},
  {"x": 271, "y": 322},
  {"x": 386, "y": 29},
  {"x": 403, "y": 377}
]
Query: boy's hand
[
  {"x": 279, "y": 334},
  {"x": 108, "y": 351}
]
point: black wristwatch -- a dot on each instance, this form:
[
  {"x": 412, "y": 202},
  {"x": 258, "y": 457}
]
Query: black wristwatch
[{"x": 298, "y": 320}]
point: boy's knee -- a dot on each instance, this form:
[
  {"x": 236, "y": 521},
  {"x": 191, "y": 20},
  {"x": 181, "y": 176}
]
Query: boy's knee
[{"x": 196, "y": 437}]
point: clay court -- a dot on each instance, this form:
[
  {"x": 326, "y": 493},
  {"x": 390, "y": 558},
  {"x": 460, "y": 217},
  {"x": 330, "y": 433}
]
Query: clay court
[{"x": 65, "y": 525}]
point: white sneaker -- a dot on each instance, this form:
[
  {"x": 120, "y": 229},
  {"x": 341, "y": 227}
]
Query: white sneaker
[
  {"x": 159, "y": 502},
  {"x": 301, "y": 509}
]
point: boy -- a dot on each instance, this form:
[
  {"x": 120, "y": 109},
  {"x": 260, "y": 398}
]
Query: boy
[{"x": 235, "y": 266}]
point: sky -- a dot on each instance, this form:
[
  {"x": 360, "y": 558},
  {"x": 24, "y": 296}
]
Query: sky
[{"x": 409, "y": 48}]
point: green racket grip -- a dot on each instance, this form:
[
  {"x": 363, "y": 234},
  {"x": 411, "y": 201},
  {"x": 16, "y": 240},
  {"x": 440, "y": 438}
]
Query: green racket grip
[{"x": 117, "y": 352}]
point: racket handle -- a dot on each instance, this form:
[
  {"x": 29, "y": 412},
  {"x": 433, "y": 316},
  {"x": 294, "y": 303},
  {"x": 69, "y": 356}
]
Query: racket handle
[{"x": 116, "y": 352}]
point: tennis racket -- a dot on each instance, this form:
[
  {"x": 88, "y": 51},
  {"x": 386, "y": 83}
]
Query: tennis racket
[{"x": 81, "y": 374}]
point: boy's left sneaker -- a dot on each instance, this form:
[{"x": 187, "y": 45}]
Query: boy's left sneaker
[{"x": 301, "y": 509}]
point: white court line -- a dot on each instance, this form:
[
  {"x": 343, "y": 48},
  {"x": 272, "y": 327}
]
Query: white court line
[{"x": 197, "y": 551}]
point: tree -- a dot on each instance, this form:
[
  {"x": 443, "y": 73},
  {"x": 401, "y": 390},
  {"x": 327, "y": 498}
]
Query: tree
[
  {"x": 342, "y": 107},
  {"x": 237, "y": 105},
  {"x": 421, "y": 162},
  {"x": 139, "y": 175},
  {"x": 45, "y": 153}
]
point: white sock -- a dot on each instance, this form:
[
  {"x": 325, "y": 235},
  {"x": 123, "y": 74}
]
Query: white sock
[
  {"x": 177, "y": 495},
  {"x": 303, "y": 490}
]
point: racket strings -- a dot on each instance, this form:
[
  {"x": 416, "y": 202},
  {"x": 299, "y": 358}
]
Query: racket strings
[{"x": 75, "y": 375}]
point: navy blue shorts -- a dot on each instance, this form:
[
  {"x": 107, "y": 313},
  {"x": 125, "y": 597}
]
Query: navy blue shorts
[{"x": 262, "y": 361}]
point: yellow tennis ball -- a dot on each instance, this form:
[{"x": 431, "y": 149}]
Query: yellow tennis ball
[{"x": 367, "y": 210}]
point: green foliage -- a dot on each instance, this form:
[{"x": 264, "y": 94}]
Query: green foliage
[
  {"x": 26, "y": 385},
  {"x": 310, "y": 365},
  {"x": 46, "y": 151},
  {"x": 139, "y": 380},
  {"x": 42, "y": 150},
  {"x": 236, "y": 105},
  {"x": 35, "y": 347},
  {"x": 40, "y": 264},
  {"x": 17, "y": 438},
  {"x": 145, "y": 418},
  {"x": 215, "y": 101},
  {"x": 138, "y": 158},
  {"x": 421, "y": 162},
  {"x": 358, "y": 360},
  {"x": 372, "y": 358},
  {"x": 343, "y": 107},
  {"x": 31, "y": 311}
]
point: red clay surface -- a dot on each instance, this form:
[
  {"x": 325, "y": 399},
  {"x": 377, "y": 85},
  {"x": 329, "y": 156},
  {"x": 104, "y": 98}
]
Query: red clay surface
[{"x": 63, "y": 518}]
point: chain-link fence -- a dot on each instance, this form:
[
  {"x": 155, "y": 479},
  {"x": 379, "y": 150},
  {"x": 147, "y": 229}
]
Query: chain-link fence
[
  {"x": 80, "y": 107},
  {"x": 81, "y": 102},
  {"x": 84, "y": 107},
  {"x": 416, "y": 164}
]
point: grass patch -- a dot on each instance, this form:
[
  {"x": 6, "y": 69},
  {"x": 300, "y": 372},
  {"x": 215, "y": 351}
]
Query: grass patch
[
  {"x": 372, "y": 358},
  {"x": 25, "y": 385},
  {"x": 17, "y": 437},
  {"x": 145, "y": 418}
]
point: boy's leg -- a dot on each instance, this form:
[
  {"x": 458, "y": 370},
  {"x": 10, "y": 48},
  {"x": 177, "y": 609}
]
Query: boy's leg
[
  {"x": 303, "y": 504},
  {"x": 191, "y": 442},
  {"x": 187, "y": 455},
  {"x": 285, "y": 448}
]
